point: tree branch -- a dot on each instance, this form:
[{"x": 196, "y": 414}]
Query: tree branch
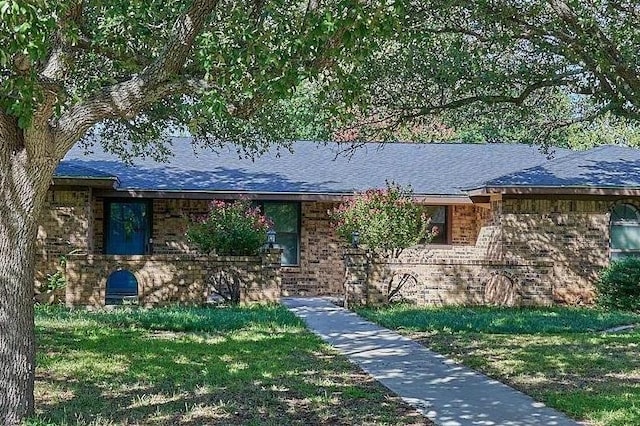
[
  {"x": 157, "y": 81},
  {"x": 493, "y": 99},
  {"x": 10, "y": 132}
]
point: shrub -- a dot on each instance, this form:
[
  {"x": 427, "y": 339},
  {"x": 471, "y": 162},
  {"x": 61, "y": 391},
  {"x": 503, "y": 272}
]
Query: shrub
[
  {"x": 618, "y": 286},
  {"x": 387, "y": 219},
  {"x": 234, "y": 228}
]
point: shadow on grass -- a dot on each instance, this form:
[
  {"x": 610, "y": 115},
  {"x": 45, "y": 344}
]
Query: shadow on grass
[
  {"x": 174, "y": 318},
  {"x": 93, "y": 373},
  {"x": 498, "y": 320},
  {"x": 591, "y": 376}
]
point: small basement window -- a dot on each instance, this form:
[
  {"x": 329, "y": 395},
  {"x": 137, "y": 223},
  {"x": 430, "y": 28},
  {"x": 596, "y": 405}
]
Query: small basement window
[
  {"x": 625, "y": 232},
  {"x": 122, "y": 287}
]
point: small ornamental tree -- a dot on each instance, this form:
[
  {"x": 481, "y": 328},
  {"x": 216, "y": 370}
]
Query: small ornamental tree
[
  {"x": 387, "y": 220},
  {"x": 235, "y": 229}
]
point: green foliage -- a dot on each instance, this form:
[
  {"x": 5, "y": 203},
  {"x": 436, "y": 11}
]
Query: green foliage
[
  {"x": 249, "y": 65},
  {"x": 618, "y": 286},
  {"x": 386, "y": 219},
  {"x": 234, "y": 228},
  {"x": 485, "y": 319},
  {"x": 57, "y": 280},
  {"x": 502, "y": 71},
  {"x": 174, "y": 318},
  {"x": 25, "y": 28},
  {"x": 203, "y": 366}
]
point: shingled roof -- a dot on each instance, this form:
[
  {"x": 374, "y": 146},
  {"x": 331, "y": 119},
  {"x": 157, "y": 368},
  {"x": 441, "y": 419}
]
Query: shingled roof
[
  {"x": 604, "y": 167},
  {"x": 315, "y": 168}
]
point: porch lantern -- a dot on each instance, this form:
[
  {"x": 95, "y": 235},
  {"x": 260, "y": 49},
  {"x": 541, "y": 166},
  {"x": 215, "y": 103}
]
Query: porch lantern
[
  {"x": 271, "y": 237},
  {"x": 355, "y": 239}
]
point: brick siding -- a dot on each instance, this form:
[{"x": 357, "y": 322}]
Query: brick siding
[
  {"x": 164, "y": 279},
  {"x": 321, "y": 269},
  {"x": 65, "y": 225},
  {"x": 571, "y": 233},
  {"x": 510, "y": 237}
]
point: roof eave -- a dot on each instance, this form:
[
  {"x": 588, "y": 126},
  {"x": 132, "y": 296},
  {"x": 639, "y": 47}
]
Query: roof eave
[
  {"x": 86, "y": 181},
  {"x": 555, "y": 190},
  {"x": 436, "y": 199}
]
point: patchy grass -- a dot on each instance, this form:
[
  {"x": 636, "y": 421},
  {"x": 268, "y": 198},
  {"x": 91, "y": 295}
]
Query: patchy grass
[
  {"x": 558, "y": 356},
  {"x": 499, "y": 320},
  {"x": 195, "y": 366}
]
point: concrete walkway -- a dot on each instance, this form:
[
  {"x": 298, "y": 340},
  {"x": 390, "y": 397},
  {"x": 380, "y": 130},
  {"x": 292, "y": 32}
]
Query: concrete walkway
[{"x": 445, "y": 392}]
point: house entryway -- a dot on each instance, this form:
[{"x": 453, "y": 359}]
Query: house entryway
[{"x": 445, "y": 392}]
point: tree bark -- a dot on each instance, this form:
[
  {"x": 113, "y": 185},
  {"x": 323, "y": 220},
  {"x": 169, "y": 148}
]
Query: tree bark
[
  {"x": 27, "y": 161},
  {"x": 23, "y": 186}
]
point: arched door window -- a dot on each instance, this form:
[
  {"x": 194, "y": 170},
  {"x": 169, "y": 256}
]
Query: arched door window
[
  {"x": 625, "y": 231},
  {"x": 122, "y": 286}
]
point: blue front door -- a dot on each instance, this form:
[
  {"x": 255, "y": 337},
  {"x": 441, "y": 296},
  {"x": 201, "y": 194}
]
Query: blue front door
[{"x": 128, "y": 227}]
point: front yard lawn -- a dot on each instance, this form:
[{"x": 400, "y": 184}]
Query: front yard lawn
[
  {"x": 195, "y": 366},
  {"x": 557, "y": 355}
]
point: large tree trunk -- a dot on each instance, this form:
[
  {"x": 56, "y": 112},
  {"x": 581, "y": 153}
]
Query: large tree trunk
[{"x": 24, "y": 180}]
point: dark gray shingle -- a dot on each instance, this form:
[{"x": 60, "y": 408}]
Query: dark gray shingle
[
  {"x": 73, "y": 169},
  {"x": 431, "y": 169},
  {"x": 608, "y": 166}
]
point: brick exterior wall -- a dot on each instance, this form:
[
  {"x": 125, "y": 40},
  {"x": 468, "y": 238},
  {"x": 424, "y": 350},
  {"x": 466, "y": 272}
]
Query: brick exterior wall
[
  {"x": 321, "y": 269},
  {"x": 170, "y": 221},
  {"x": 66, "y": 224},
  {"x": 530, "y": 251},
  {"x": 571, "y": 233},
  {"x": 467, "y": 221},
  {"x": 462, "y": 282},
  {"x": 514, "y": 238},
  {"x": 164, "y": 279}
]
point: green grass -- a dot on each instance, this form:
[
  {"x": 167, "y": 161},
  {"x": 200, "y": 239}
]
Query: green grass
[
  {"x": 559, "y": 356},
  {"x": 253, "y": 366},
  {"x": 499, "y": 320}
]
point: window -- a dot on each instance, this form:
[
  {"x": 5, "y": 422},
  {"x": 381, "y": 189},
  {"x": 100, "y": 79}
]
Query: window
[
  {"x": 286, "y": 222},
  {"x": 439, "y": 218},
  {"x": 625, "y": 231},
  {"x": 127, "y": 227},
  {"x": 121, "y": 286}
]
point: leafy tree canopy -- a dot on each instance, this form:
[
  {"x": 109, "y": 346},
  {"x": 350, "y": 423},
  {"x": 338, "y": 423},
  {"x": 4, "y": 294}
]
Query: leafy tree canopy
[
  {"x": 506, "y": 70},
  {"x": 222, "y": 70}
]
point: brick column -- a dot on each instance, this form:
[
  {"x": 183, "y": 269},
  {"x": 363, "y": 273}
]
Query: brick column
[
  {"x": 271, "y": 280},
  {"x": 356, "y": 262}
]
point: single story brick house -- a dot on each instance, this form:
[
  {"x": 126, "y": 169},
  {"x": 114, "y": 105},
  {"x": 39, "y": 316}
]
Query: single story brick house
[{"x": 510, "y": 216}]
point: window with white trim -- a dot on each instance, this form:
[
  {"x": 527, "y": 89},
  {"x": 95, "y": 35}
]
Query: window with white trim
[{"x": 625, "y": 231}]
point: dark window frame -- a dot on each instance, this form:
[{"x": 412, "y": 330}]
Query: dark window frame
[
  {"x": 118, "y": 298},
  {"x": 447, "y": 236},
  {"x": 107, "y": 219},
  {"x": 298, "y": 205}
]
